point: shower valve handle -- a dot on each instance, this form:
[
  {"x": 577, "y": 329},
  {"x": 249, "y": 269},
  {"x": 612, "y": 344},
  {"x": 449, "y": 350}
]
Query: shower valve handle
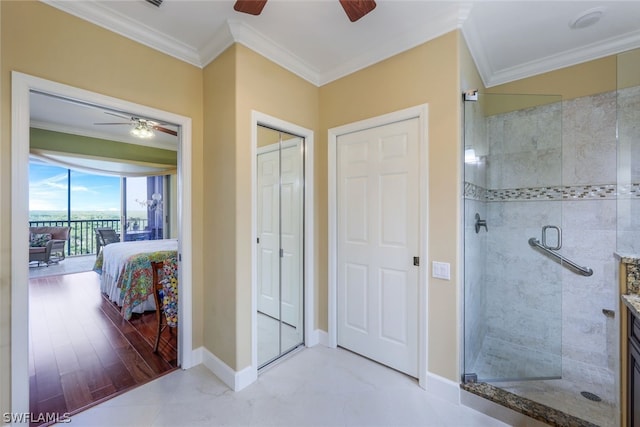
[{"x": 480, "y": 223}]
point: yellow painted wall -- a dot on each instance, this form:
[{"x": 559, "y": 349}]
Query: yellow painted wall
[
  {"x": 584, "y": 79},
  {"x": 236, "y": 83},
  {"x": 469, "y": 75},
  {"x": 629, "y": 69},
  {"x": 39, "y": 40},
  {"x": 580, "y": 80},
  {"x": 219, "y": 206},
  {"x": 270, "y": 89},
  {"x": 426, "y": 74}
]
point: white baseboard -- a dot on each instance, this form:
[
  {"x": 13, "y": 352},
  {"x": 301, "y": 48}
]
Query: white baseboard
[
  {"x": 235, "y": 380},
  {"x": 196, "y": 357},
  {"x": 318, "y": 337},
  {"x": 443, "y": 388}
]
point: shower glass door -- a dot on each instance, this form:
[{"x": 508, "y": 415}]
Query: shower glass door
[
  {"x": 512, "y": 189},
  {"x": 280, "y": 214}
]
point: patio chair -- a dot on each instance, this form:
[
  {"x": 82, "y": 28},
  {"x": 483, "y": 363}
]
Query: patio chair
[
  {"x": 105, "y": 236},
  {"x": 46, "y": 244}
]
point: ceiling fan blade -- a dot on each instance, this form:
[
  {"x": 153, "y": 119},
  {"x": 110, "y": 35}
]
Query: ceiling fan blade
[
  {"x": 165, "y": 130},
  {"x": 252, "y": 7},
  {"x": 122, "y": 116},
  {"x": 356, "y": 9}
]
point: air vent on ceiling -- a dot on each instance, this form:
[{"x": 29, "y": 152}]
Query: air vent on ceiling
[{"x": 155, "y": 2}]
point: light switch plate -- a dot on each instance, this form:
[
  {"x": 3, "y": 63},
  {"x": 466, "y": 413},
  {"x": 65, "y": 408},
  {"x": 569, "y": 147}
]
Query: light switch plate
[{"x": 441, "y": 270}]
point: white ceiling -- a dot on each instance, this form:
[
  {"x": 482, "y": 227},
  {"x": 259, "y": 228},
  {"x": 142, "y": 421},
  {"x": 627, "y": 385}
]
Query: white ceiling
[
  {"x": 509, "y": 40},
  {"x": 78, "y": 118},
  {"x": 314, "y": 39},
  {"x": 62, "y": 115}
]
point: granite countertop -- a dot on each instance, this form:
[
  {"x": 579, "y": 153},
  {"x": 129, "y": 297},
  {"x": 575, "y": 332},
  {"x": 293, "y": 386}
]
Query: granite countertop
[
  {"x": 632, "y": 301},
  {"x": 627, "y": 258}
]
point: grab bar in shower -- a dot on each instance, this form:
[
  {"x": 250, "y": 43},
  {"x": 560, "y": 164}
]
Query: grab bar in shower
[{"x": 564, "y": 261}]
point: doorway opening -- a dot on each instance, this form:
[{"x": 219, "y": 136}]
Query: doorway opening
[{"x": 22, "y": 87}]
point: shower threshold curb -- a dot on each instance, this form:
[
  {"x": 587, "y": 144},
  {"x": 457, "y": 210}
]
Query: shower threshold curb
[{"x": 525, "y": 406}]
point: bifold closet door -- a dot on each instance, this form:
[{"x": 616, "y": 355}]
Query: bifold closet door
[
  {"x": 269, "y": 234},
  {"x": 280, "y": 224}
]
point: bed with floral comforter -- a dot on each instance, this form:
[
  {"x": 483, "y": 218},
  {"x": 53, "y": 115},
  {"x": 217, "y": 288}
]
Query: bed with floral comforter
[{"x": 127, "y": 277}]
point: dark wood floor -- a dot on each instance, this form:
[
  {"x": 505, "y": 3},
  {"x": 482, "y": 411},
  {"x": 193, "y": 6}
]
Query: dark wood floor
[{"x": 81, "y": 349}]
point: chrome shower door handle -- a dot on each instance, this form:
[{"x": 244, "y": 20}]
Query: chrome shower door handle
[{"x": 558, "y": 237}]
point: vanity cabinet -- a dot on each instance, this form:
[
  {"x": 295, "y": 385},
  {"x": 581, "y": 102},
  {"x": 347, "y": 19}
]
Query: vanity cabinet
[{"x": 633, "y": 371}]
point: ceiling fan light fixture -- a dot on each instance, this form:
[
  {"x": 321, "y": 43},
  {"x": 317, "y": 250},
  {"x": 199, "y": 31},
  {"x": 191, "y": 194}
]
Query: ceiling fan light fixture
[{"x": 142, "y": 130}]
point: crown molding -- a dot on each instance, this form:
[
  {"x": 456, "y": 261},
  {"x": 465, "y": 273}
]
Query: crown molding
[
  {"x": 471, "y": 36},
  {"x": 259, "y": 43},
  {"x": 494, "y": 77},
  {"x": 611, "y": 46},
  {"x": 94, "y": 12},
  {"x": 239, "y": 32},
  {"x": 222, "y": 39}
]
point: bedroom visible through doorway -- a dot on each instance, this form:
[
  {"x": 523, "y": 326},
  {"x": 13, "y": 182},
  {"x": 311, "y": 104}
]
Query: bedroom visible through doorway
[{"x": 23, "y": 86}]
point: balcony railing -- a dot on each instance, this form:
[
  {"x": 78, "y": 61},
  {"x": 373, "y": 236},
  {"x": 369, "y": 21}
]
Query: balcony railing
[
  {"x": 82, "y": 236},
  {"x": 82, "y": 240}
]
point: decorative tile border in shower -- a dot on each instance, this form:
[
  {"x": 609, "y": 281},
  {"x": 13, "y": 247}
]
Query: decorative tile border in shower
[
  {"x": 474, "y": 192},
  {"x": 629, "y": 190},
  {"x": 575, "y": 192}
]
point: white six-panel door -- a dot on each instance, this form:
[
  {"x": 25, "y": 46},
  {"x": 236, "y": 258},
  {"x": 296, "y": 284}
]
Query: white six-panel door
[{"x": 377, "y": 240}]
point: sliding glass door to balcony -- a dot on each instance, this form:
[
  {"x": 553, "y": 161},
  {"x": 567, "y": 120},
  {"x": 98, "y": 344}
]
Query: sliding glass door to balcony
[
  {"x": 143, "y": 204},
  {"x": 135, "y": 207}
]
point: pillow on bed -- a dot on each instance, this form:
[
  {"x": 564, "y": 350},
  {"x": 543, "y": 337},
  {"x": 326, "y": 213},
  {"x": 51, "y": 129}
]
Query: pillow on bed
[{"x": 39, "y": 239}]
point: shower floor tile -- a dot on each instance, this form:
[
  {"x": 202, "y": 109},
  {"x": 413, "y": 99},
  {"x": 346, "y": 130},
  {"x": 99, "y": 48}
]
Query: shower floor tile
[{"x": 499, "y": 359}]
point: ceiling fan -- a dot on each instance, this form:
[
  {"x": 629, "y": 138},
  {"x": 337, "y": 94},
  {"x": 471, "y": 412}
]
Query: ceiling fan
[
  {"x": 142, "y": 128},
  {"x": 355, "y": 9}
]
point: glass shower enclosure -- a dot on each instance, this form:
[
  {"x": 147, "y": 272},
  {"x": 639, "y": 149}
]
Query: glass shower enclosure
[{"x": 512, "y": 220}]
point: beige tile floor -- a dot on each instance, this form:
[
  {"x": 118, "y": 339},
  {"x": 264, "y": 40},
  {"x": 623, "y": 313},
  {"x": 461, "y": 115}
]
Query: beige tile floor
[
  {"x": 561, "y": 394},
  {"x": 317, "y": 386}
]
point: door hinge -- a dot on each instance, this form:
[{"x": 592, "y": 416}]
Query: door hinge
[
  {"x": 281, "y": 253},
  {"x": 416, "y": 261},
  {"x": 257, "y": 240}
]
